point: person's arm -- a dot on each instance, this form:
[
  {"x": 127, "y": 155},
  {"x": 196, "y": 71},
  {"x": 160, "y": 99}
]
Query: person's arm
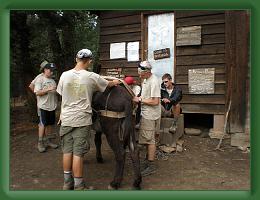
[
  {"x": 153, "y": 101},
  {"x": 176, "y": 96},
  {"x": 114, "y": 82},
  {"x": 45, "y": 91},
  {"x": 31, "y": 86}
]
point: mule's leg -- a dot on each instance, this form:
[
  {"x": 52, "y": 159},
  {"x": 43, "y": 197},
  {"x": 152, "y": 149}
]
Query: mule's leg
[
  {"x": 134, "y": 154},
  {"x": 98, "y": 142},
  {"x": 119, "y": 153}
]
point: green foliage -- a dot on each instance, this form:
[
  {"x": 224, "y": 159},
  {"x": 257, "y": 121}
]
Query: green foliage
[{"x": 54, "y": 35}]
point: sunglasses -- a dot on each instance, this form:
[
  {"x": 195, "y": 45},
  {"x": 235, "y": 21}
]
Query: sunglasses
[
  {"x": 165, "y": 81},
  {"x": 142, "y": 67}
]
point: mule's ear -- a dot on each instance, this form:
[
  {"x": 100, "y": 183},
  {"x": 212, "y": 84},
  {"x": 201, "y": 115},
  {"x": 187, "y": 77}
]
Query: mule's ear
[{"x": 97, "y": 68}]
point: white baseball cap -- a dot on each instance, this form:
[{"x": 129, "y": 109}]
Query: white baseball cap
[{"x": 84, "y": 53}]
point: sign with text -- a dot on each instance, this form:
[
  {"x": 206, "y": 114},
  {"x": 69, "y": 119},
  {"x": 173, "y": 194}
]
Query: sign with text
[
  {"x": 161, "y": 53},
  {"x": 201, "y": 81},
  {"x": 115, "y": 72},
  {"x": 188, "y": 36}
]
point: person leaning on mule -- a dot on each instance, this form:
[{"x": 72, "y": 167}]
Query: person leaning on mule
[
  {"x": 150, "y": 114},
  {"x": 45, "y": 90},
  {"x": 76, "y": 86},
  {"x": 171, "y": 96}
]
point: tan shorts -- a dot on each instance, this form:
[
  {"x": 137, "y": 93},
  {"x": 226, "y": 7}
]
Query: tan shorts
[
  {"x": 75, "y": 140},
  {"x": 147, "y": 130}
]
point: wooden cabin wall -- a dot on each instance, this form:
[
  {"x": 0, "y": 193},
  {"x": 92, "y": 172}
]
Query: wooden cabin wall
[
  {"x": 119, "y": 26},
  {"x": 237, "y": 56},
  {"x": 211, "y": 53},
  {"x": 224, "y": 46}
]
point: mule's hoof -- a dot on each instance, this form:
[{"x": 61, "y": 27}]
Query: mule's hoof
[
  {"x": 109, "y": 187},
  {"x": 137, "y": 187},
  {"x": 100, "y": 160}
]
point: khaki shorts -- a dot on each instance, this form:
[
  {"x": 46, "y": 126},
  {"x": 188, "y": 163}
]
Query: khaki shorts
[
  {"x": 147, "y": 130},
  {"x": 75, "y": 140}
]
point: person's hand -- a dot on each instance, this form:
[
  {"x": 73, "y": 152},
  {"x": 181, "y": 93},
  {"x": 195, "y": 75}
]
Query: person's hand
[
  {"x": 51, "y": 89},
  {"x": 136, "y": 99},
  {"x": 165, "y": 100},
  {"x": 116, "y": 82}
]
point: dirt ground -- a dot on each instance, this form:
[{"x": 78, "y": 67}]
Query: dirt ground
[{"x": 198, "y": 167}]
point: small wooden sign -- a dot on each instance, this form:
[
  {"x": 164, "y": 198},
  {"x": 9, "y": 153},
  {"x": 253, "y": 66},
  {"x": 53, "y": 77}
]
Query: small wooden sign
[
  {"x": 161, "y": 53},
  {"x": 188, "y": 36},
  {"x": 201, "y": 81},
  {"x": 115, "y": 72}
]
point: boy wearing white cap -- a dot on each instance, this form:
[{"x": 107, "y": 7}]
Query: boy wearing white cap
[{"x": 76, "y": 86}]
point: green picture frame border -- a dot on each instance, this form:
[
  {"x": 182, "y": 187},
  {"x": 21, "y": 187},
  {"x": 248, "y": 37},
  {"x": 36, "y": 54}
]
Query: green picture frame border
[{"x": 7, "y": 5}]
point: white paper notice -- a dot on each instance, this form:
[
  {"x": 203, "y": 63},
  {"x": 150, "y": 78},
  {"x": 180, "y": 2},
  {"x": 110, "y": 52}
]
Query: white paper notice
[
  {"x": 117, "y": 50},
  {"x": 133, "y": 51}
]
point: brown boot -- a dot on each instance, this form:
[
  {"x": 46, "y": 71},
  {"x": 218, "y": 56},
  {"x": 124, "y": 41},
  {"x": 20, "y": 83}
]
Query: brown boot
[{"x": 48, "y": 143}]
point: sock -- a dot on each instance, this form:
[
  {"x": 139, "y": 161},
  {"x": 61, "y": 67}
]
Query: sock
[
  {"x": 78, "y": 180},
  {"x": 40, "y": 138},
  {"x": 67, "y": 176}
]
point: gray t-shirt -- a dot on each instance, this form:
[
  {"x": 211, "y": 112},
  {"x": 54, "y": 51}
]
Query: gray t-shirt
[
  {"x": 48, "y": 101},
  {"x": 151, "y": 88},
  {"x": 76, "y": 89}
]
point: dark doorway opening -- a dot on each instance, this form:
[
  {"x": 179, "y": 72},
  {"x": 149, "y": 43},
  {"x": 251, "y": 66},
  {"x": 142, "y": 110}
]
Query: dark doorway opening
[{"x": 200, "y": 121}]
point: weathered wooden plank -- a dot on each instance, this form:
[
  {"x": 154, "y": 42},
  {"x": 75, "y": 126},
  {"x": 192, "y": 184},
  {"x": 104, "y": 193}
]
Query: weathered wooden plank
[
  {"x": 118, "y": 63},
  {"x": 132, "y": 19},
  {"x": 203, "y": 99},
  {"x": 129, "y": 28},
  {"x": 183, "y": 70},
  {"x": 213, "y": 39},
  {"x": 183, "y": 79},
  {"x": 120, "y": 38},
  {"x": 194, "y": 13},
  {"x": 200, "y": 59},
  {"x": 200, "y": 20},
  {"x": 203, "y": 108},
  {"x": 201, "y": 49},
  {"x": 119, "y": 13},
  {"x": 219, "y": 88},
  {"x": 213, "y": 28}
]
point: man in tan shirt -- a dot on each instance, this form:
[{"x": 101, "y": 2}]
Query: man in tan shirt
[{"x": 150, "y": 114}]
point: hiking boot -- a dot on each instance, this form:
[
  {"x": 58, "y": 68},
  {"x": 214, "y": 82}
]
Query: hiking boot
[
  {"x": 68, "y": 185},
  {"x": 48, "y": 143},
  {"x": 173, "y": 127},
  {"x": 41, "y": 147},
  {"x": 143, "y": 164},
  {"x": 150, "y": 169},
  {"x": 83, "y": 186},
  {"x": 51, "y": 136}
]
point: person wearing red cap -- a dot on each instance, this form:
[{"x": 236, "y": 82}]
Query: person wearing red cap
[{"x": 132, "y": 83}]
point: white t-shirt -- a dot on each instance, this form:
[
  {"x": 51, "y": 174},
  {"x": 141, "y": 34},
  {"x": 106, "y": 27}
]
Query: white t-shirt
[
  {"x": 33, "y": 83},
  {"x": 169, "y": 91},
  {"x": 38, "y": 76},
  {"x": 76, "y": 89},
  {"x": 151, "y": 88},
  {"x": 48, "y": 101}
]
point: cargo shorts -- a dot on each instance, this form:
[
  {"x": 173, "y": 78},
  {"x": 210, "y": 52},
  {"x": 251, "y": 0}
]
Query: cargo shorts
[
  {"x": 75, "y": 140},
  {"x": 147, "y": 130}
]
